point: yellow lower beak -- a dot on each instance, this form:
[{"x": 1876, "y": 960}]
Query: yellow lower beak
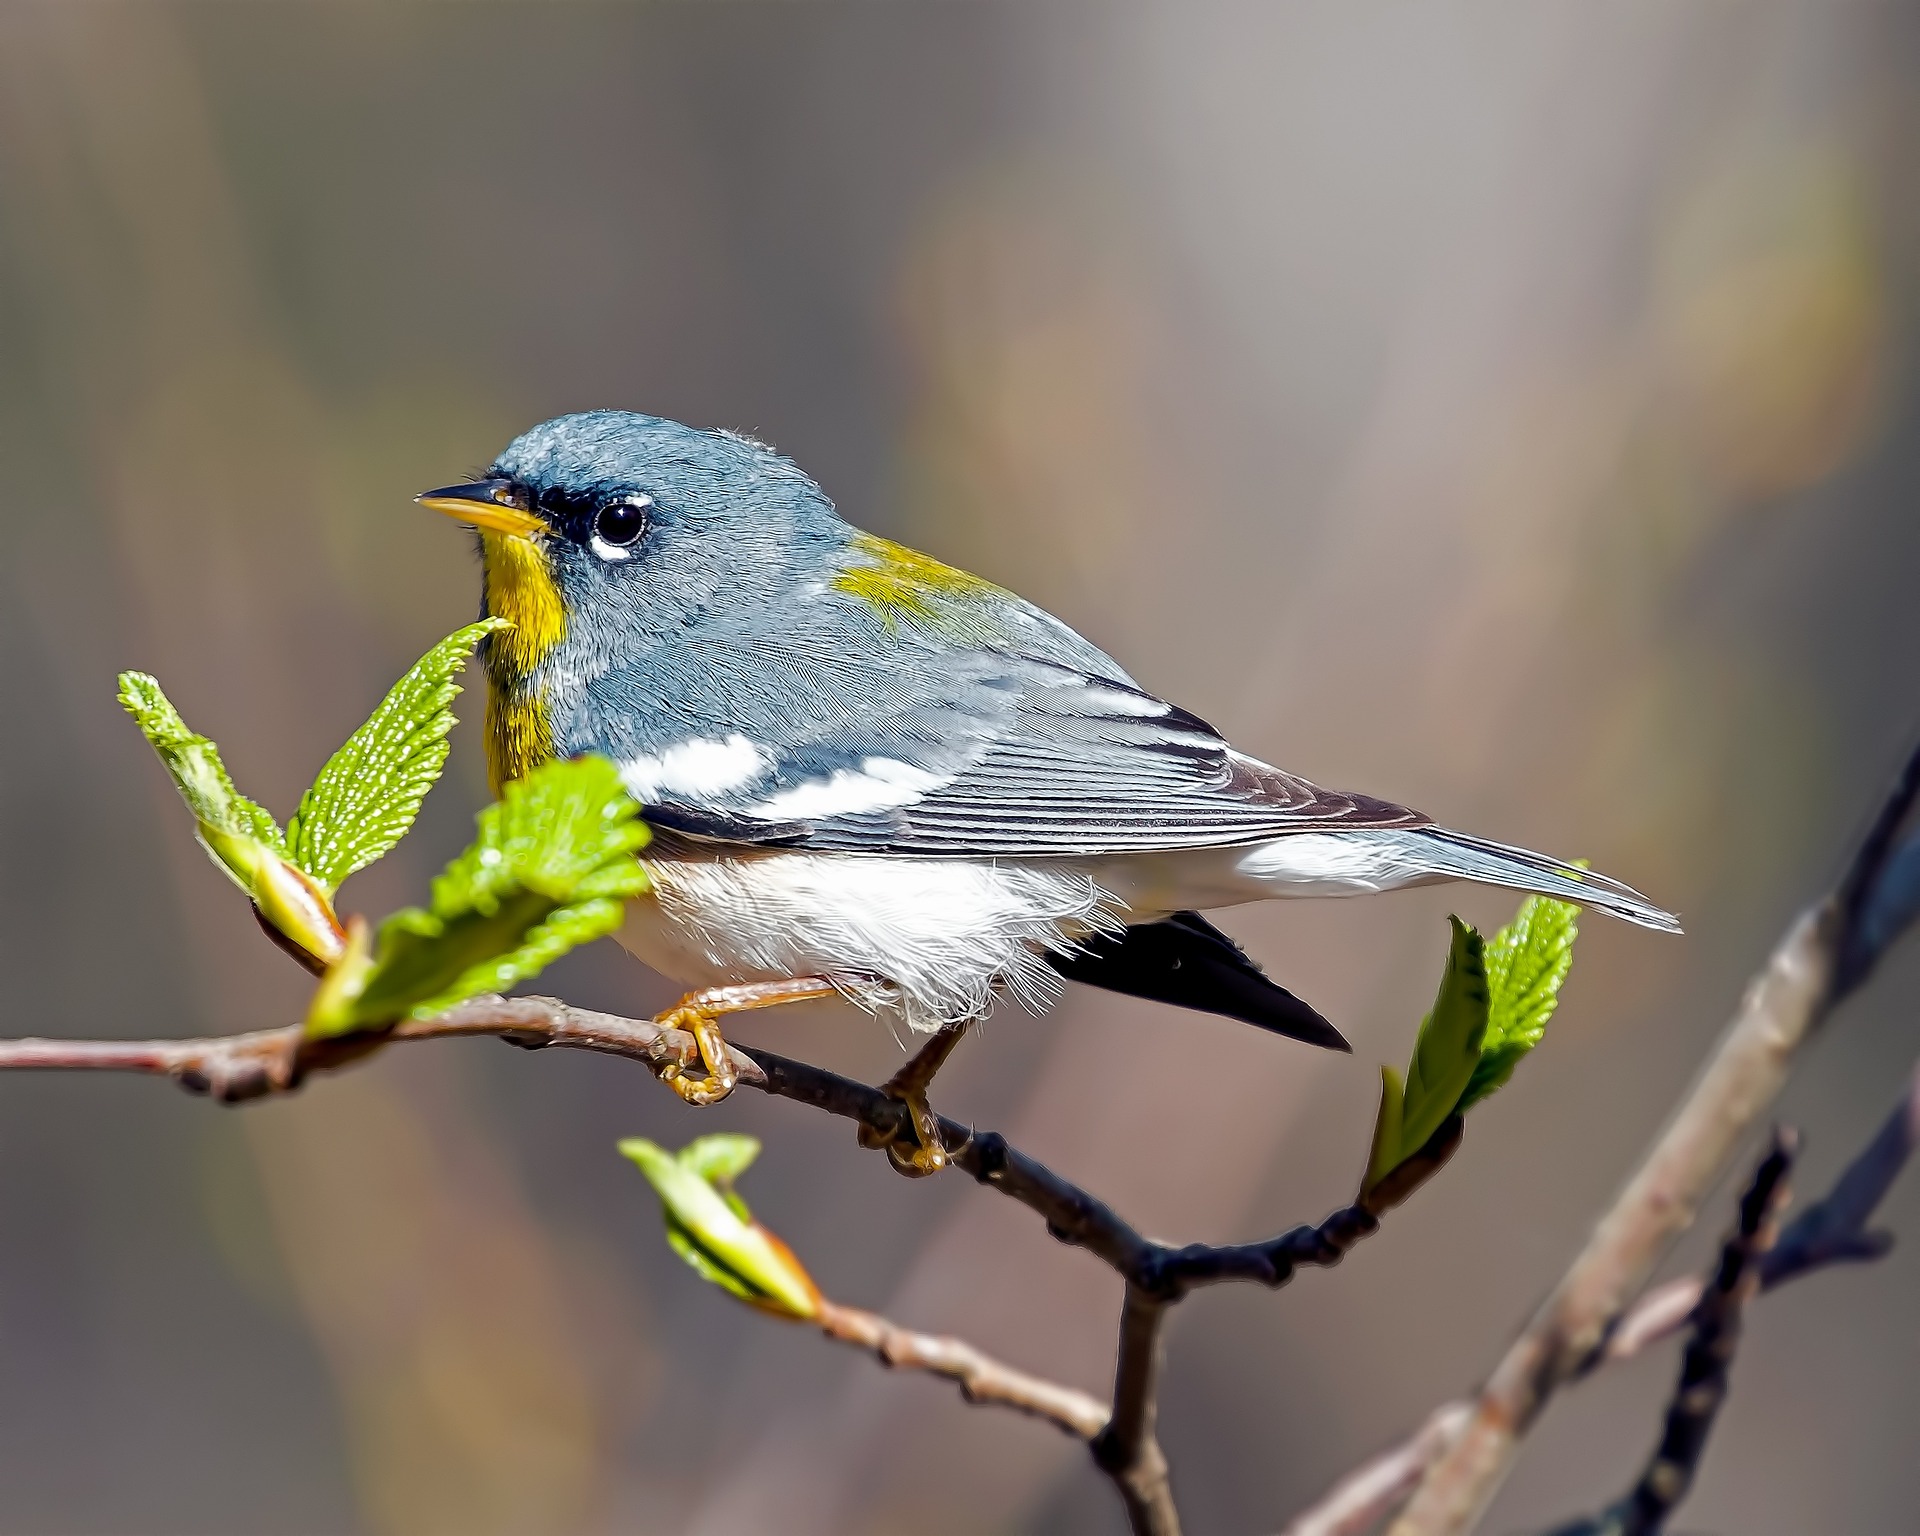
[{"x": 484, "y": 504}]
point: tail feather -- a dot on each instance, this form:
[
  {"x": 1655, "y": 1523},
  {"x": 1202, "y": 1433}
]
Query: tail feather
[
  {"x": 1460, "y": 856},
  {"x": 1185, "y": 960}
]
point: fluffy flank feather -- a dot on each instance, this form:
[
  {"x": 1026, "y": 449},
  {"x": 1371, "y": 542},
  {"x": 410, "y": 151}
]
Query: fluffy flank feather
[{"x": 934, "y": 940}]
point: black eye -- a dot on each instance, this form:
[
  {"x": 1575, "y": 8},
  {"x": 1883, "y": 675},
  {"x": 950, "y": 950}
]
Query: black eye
[{"x": 621, "y": 522}]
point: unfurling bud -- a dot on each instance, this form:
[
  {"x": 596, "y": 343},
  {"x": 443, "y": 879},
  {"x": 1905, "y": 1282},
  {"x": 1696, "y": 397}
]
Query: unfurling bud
[
  {"x": 289, "y": 900},
  {"x": 710, "y": 1227},
  {"x": 331, "y": 1011}
]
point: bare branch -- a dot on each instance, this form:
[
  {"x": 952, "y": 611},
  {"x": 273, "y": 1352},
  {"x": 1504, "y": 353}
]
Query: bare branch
[
  {"x": 238, "y": 1068},
  {"x": 1829, "y": 951},
  {"x": 982, "y": 1379},
  {"x": 1702, "y": 1388},
  {"x": 1128, "y": 1450},
  {"x": 1374, "y": 1489},
  {"x": 1833, "y": 1230}
]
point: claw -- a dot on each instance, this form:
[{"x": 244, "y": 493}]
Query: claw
[
  {"x": 714, "y": 1056},
  {"x": 909, "y": 1087},
  {"x": 929, "y": 1153},
  {"x": 698, "y": 1014}
]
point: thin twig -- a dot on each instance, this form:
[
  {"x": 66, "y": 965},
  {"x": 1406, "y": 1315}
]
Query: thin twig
[
  {"x": 1714, "y": 1338},
  {"x": 1128, "y": 1450},
  {"x": 1375, "y": 1488},
  {"x": 1833, "y": 1230},
  {"x": 1829, "y": 951},
  {"x": 982, "y": 1379},
  {"x": 238, "y": 1068},
  {"x": 1702, "y": 1387}
]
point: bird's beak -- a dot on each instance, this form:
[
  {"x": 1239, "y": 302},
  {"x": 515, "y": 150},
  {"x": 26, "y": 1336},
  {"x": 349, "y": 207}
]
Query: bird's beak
[{"x": 487, "y": 504}]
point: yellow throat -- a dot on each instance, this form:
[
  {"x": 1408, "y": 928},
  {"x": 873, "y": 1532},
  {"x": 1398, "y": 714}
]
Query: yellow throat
[{"x": 520, "y": 588}]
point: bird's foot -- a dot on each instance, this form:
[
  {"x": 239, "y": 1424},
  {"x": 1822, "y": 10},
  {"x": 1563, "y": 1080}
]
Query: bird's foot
[
  {"x": 714, "y": 1056},
  {"x": 909, "y": 1087},
  {"x": 698, "y": 1013}
]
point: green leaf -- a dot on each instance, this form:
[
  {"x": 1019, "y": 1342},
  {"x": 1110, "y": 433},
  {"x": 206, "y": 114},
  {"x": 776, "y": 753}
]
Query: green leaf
[
  {"x": 1385, "y": 1154},
  {"x": 550, "y": 869},
  {"x": 1527, "y": 962},
  {"x": 195, "y": 764},
  {"x": 1448, "y": 1048},
  {"x": 720, "y": 1159},
  {"x": 285, "y": 897},
  {"x": 716, "y": 1235},
  {"x": 369, "y": 792},
  {"x": 241, "y": 838}
]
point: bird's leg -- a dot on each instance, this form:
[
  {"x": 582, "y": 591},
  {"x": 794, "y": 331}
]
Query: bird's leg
[
  {"x": 698, "y": 1014},
  {"x": 909, "y": 1085}
]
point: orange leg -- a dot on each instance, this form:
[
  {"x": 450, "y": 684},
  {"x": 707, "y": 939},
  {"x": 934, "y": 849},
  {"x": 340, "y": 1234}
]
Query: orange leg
[
  {"x": 698, "y": 1012},
  {"x": 909, "y": 1085}
]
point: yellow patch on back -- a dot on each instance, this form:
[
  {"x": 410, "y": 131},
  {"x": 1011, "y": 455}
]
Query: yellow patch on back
[
  {"x": 900, "y": 583},
  {"x": 520, "y": 588}
]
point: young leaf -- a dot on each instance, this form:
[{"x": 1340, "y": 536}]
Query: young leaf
[
  {"x": 720, "y": 1159},
  {"x": 1385, "y": 1155},
  {"x": 195, "y": 764},
  {"x": 239, "y": 836},
  {"x": 718, "y": 1237},
  {"x": 1527, "y": 961},
  {"x": 1449, "y": 1044},
  {"x": 549, "y": 870},
  {"x": 369, "y": 792},
  {"x": 286, "y": 898}
]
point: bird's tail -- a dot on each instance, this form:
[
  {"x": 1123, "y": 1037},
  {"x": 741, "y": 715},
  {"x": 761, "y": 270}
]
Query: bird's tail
[{"x": 1459, "y": 856}]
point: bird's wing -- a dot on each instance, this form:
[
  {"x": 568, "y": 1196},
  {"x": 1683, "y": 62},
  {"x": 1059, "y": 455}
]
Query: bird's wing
[{"x": 971, "y": 751}]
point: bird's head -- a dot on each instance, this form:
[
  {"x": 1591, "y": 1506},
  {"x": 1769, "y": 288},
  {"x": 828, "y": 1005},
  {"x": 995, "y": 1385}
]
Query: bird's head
[{"x": 604, "y": 534}]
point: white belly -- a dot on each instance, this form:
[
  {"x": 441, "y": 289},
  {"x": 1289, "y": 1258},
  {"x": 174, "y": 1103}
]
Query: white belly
[{"x": 935, "y": 939}]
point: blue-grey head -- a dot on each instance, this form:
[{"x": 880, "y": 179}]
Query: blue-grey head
[{"x": 604, "y": 535}]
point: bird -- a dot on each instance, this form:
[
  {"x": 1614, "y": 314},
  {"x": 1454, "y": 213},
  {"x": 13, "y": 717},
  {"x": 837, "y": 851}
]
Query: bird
[{"x": 872, "y": 775}]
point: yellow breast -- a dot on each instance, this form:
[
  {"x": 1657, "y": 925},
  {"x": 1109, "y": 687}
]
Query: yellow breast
[{"x": 520, "y": 588}]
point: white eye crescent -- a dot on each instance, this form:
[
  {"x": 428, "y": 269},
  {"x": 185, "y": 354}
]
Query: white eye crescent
[{"x": 618, "y": 525}]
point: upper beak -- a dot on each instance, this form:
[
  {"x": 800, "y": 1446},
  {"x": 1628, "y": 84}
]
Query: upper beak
[{"x": 488, "y": 504}]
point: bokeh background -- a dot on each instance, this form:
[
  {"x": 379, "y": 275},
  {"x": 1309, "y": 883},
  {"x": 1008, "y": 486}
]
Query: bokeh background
[{"x": 1509, "y": 410}]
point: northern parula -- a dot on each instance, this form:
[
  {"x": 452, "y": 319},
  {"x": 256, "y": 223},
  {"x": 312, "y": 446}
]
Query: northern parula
[{"x": 875, "y": 775}]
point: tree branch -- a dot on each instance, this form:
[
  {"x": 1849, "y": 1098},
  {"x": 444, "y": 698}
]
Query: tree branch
[
  {"x": 982, "y": 1379},
  {"x": 1715, "y": 1337},
  {"x": 238, "y": 1068},
  {"x": 1833, "y": 1230},
  {"x": 1829, "y": 951},
  {"x": 1128, "y": 1450}
]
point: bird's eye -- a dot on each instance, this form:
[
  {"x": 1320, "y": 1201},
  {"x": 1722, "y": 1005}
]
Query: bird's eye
[{"x": 618, "y": 523}]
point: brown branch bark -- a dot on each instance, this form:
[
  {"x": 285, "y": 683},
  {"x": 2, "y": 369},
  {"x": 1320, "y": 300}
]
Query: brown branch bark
[
  {"x": 1128, "y": 1449},
  {"x": 981, "y": 1378},
  {"x": 1715, "y": 1337},
  {"x": 1827, "y": 952},
  {"x": 237, "y": 1068},
  {"x": 1836, "y": 1229},
  {"x": 1374, "y": 1489}
]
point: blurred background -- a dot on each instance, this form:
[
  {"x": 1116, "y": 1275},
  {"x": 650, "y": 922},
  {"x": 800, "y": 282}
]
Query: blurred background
[{"x": 1510, "y": 411}]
